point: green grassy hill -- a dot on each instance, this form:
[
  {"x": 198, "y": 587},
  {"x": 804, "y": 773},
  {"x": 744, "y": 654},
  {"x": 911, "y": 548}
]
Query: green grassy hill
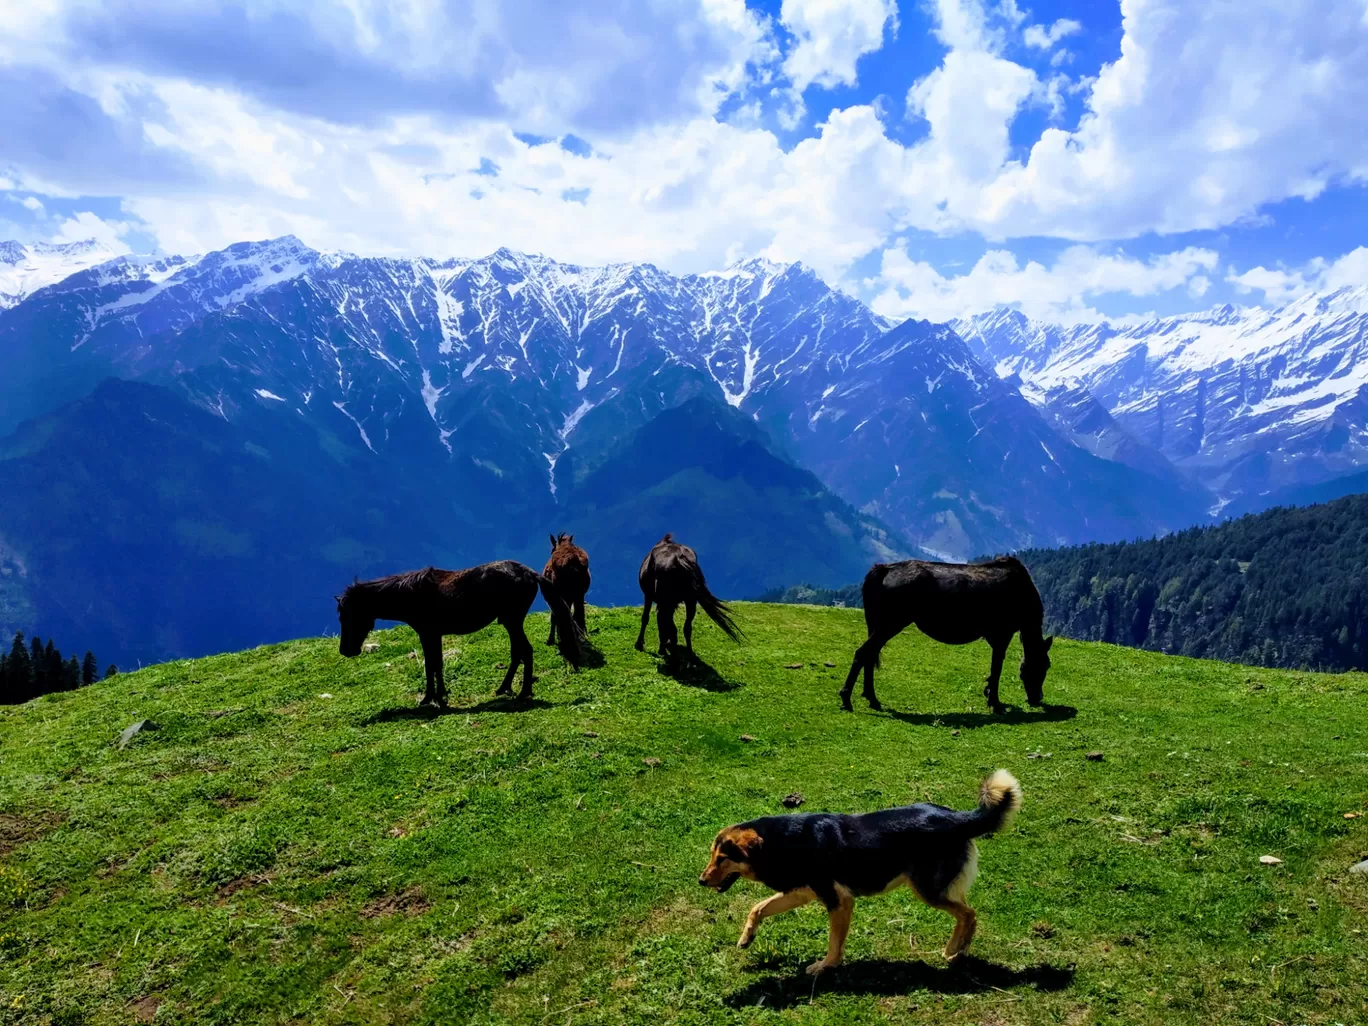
[{"x": 298, "y": 844}]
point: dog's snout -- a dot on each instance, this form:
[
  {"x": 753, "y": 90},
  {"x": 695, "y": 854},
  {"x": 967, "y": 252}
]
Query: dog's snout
[{"x": 703, "y": 881}]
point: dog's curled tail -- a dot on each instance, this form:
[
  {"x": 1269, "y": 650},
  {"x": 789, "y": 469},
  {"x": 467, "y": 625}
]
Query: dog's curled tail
[{"x": 999, "y": 800}]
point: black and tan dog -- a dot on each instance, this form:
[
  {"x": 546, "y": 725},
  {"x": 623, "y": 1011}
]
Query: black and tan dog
[{"x": 835, "y": 859}]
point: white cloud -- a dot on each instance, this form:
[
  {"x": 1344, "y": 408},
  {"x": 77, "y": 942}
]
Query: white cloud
[
  {"x": 85, "y": 225},
  {"x": 831, "y": 36},
  {"x": 1208, "y": 113},
  {"x": 1061, "y": 292},
  {"x": 1041, "y": 37},
  {"x": 1281, "y": 285},
  {"x": 35, "y": 204}
]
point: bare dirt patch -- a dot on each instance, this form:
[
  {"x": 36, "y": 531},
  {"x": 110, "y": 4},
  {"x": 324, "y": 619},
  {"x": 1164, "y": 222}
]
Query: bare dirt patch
[
  {"x": 21, "y": 829},
  {"x": 410, "y": 902}
]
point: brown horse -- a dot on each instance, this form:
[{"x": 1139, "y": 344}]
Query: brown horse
[
  {"x": 955, "y": 603},
  {"x": 439, "y": 602},
  {"x": 568, "y": 570},
  {"x": 670, "y": 575}
]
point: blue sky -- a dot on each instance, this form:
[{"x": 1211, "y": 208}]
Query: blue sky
[{"x": 1076, "y": 160}]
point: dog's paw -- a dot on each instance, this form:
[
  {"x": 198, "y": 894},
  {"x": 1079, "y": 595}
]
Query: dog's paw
[
  {"x": 747, "y": 935},
  {"x": 817, "y": 968}
]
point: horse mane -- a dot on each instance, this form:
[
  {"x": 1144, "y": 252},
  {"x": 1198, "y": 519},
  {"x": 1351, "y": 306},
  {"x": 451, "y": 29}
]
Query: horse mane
[
  {"x": 668, "y": 539},
  {"x": 394, "y": 583}
]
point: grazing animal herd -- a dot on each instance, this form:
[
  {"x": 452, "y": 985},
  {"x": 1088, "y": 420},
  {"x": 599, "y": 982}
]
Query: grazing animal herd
[{"x": 809, "y": 857}]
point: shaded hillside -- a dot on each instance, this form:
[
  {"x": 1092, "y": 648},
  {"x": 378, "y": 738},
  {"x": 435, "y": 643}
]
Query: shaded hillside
[
  {"x": 151, "y": 528},
  {"x": 1286, "y": 587}
]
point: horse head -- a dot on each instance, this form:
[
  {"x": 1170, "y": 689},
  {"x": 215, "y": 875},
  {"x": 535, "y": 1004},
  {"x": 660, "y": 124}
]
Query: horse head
[
  {"x": 356, "y": 623},
  {"x": 1035, "y": 664}
]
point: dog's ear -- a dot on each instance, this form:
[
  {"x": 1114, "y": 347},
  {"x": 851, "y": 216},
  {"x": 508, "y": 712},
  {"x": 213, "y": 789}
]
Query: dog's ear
[
  {"x": 748, "y": 841},
  {"x": 1048, "y": 642}
]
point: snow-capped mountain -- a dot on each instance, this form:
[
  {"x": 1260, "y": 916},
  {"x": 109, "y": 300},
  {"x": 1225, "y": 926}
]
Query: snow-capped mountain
[
  {"x": 1248, "y": 401},
  {"x": 523, "y": 372},
  {"x": 24, "y": 269}
]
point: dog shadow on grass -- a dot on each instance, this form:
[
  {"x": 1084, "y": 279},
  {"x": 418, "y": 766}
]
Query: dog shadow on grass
[
  {"x": 1011, "y": 714},
  {"x": 888, "y": 977},
  {"x": 694, "y": 673}
]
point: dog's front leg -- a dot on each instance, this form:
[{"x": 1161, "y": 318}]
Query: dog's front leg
[
  {"x": 838, "y": 921},
  {"x": 772, "y": 907}
]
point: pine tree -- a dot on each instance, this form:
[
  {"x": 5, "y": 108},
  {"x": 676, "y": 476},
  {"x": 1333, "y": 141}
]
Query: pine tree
[
  {"x": 37, "y": 668},
  {"x": 110, "y": 671},
  {"x": 4, "y": 679},
  {"x": 20, "y": 672},
  {"x": 71, "y": 674},
  {"x": 54, "y": 671},
  {"x": 90, "y": 669}
]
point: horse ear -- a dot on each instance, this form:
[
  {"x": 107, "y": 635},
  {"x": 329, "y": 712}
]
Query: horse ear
[
  {"x": 571, "y": 539},
  {"x": 1048, "y": 642},
  {"x": 553, "y": 540}
]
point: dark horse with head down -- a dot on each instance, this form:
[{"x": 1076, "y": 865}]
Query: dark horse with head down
[
  {"x": 670, "y": 575},
  {"x": 568, "y": 570},
  {"x": 955, "y": 603},
  {"x": 438, "y": 602}
]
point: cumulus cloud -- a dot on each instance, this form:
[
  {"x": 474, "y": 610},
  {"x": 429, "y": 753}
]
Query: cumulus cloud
[
  {"x": 595, "y": 66},
  {"x": 1041, "y": 37},
  {"x": 1281, "y": 284},
  {"x": 357, "y": 125},
  {"x": 831, "y": 36},
  {"x": 1060, "y": 292}
]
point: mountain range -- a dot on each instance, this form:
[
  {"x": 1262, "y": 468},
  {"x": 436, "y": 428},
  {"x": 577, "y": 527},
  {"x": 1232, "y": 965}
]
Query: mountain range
[{"x": 209, "y": 446}]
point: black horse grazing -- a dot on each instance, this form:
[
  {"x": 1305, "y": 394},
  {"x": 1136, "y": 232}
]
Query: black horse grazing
[
  {"x": 670, "y": 575},
  {"x": 568, "y": 570},
  {"x": 955, "y": 603},
  {"x": 438, "y": 602}
]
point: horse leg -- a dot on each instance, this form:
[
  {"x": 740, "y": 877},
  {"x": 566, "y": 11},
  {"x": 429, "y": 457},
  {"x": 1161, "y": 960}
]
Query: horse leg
[
  {"x": 645, "y": 622},
  {"x": 520, "y": 641},
  {"x": 551, "y": 638},
  {"x": 434, "y": 691},
  {"x": 990, "y": 689},
  {"x": 690, "y": 607},
  {"x": 668, "y": 634},
  {"x": 872, "y": 649},
  {"x": 579, "y": 614},
  {"x": 514, "y": 655}
]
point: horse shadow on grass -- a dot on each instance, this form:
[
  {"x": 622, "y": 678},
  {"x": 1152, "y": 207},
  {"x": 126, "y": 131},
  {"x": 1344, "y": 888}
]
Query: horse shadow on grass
[
  {"x": 1011, "y": 714},
  {"x": 888, "y": 977},
  {"x": 499, "y": 703},
  {"x": 693, "y": 672}
]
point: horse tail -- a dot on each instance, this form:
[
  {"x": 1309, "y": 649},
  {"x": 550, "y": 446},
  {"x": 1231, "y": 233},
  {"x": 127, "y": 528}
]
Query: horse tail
[
  {"x": 718, "y": 611},
  {"x": 870, "y": 591},
  {"x": 569, "y": 638}
]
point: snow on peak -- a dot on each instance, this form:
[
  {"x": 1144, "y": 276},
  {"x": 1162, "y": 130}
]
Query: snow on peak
[{"x": 26, "y": 268}]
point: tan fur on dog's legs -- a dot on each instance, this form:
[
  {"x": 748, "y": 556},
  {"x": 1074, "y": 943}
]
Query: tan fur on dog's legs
[
  {"x": 838, "y": 921},
  {"x": 965, "y": 924},
  {"x": 772, "y": 907}
]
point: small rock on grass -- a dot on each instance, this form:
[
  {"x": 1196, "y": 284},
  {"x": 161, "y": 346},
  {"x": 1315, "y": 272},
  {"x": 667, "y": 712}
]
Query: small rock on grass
[
  {"x": 1094, "y": 757},
  {"x": 651, "y": 760},
  {"x": 370, "y": 646},
  {"x": 130, "y": 732},
  {"x": 1270, "y": 860},
  {"x": 413, "y": 653},
  {"x": 792, "y": 801},
  {"x": 1360, "y": 868},
  {"x": 829, "y": 665},
  {"x": 793, "y": 666},
  {"x": 1352, "y": 815},
  {"x": 747, "y": 737}
]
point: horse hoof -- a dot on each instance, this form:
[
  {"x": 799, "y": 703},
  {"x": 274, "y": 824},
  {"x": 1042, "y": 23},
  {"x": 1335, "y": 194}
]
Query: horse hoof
[{"x": 876, "y": 705}]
